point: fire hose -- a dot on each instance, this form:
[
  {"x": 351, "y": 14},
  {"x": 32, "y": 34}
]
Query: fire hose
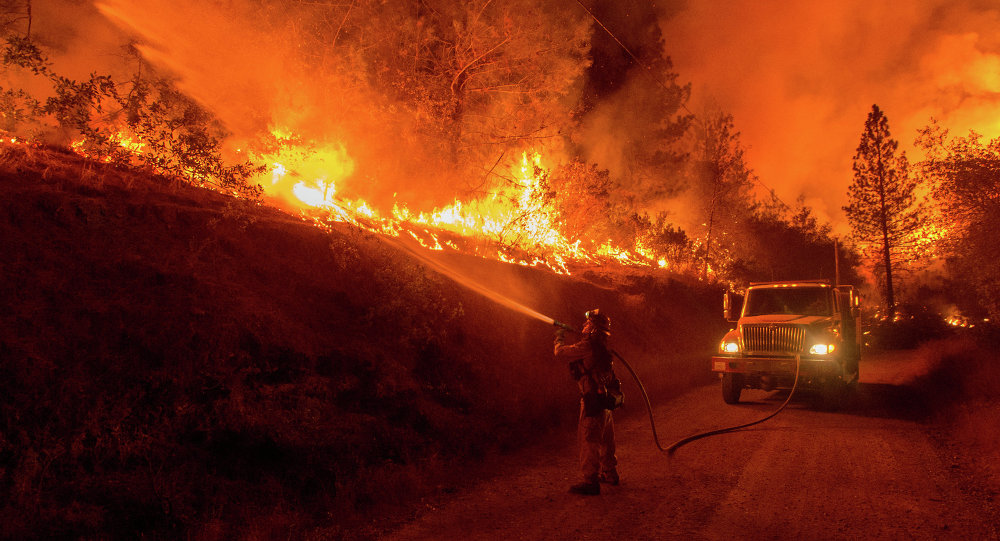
[
  {"x": 649, "y": 407},
  {"x": 489, "y": 293},
  {"x": 673, "y": 447}
]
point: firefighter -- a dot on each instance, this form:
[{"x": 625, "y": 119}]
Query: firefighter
[{"x": 590, "y": 364}]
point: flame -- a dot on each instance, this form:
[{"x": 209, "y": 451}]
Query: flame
[
  {"x": 301, "y": 172},
  {"x": 246, "y": 82},
  {"x": 517, "y": 217},
  {"x": 120, "y": 138},
  {"x": 517, "y": 223}
]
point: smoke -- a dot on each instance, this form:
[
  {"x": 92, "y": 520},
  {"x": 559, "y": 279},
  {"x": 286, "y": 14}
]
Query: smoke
[
  {"x": 245, "y": 68},
  {"x": 630, "y": 101},
  {"x": 246, "y": 64},
  {"x": 218, "y": 56},
  {"x": 272, "y": 66},
  {"x": 800, "y": 78},
  {"x": 79, "y": 39}
]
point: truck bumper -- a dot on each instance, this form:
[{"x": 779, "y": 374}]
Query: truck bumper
[{"x": 769, "y": 372}]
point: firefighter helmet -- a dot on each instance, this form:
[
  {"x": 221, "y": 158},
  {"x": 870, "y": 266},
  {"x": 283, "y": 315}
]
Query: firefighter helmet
[{"x": 597, "y": 322}]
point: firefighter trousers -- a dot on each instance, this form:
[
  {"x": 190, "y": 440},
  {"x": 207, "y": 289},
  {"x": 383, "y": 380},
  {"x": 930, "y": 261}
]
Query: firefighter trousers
[{"x": 596, "y": 436}]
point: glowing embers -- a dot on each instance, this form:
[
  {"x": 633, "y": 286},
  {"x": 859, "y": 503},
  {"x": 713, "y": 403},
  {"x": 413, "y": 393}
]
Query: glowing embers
[{"x": 120, "y": 145}]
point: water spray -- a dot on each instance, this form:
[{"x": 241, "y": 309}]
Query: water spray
[
  {"x": 514, "y": 305},
  {"x": 473, "y": 285}
]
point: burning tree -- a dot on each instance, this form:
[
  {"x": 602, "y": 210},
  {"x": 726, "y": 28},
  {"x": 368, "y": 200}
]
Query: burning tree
[
  {"x": 885, "y": 216},
  {"x": 521, "y": 124},
  {"x": 470, "y": 84},
  {"x": 965, "y": 172}
]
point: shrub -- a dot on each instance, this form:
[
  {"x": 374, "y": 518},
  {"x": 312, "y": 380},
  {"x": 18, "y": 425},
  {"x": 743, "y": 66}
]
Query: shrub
[{"x": 146, "y": 122}]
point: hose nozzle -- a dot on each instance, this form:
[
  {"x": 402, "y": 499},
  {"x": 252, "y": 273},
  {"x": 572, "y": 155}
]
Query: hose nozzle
[{"x": 562, "y": 325}]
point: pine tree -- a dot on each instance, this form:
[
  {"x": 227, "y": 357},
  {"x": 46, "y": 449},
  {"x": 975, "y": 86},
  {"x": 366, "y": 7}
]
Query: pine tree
[{"x": 884, "y": 214}]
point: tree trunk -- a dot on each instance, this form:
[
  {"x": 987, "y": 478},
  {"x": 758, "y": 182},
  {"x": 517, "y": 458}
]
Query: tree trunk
[
  {"x": 890, "y": 300},
  {"x": 708, "y": 242}
]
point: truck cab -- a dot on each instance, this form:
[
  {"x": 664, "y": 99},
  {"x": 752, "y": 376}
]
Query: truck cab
[{"x": 809, "y": 323}]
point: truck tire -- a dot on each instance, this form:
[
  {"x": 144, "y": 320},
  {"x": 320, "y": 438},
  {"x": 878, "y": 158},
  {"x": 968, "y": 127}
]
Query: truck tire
[{"x": 732, "y": 386}]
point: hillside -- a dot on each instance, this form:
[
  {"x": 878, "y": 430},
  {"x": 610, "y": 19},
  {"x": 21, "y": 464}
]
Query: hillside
[{"x": 179, "y": 363}]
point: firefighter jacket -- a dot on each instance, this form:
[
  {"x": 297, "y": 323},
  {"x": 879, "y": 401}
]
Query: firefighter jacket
[{"x": 590, "y": 363}]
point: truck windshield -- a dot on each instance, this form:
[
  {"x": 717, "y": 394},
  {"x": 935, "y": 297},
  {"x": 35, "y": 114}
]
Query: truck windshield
[{"x": 803, "y": 301}]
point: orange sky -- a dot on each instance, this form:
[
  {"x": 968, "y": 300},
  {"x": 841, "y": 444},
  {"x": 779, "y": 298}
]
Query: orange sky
[{"x": 801, "y": 76}]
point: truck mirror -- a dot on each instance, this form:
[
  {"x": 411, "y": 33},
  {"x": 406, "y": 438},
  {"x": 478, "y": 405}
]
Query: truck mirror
[
  {"x": 732, "y": 305},
  {"x": 848, "y": 301}
]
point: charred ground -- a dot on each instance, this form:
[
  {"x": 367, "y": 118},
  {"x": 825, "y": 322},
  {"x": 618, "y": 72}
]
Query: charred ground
[{"x": 176, "y": 362}]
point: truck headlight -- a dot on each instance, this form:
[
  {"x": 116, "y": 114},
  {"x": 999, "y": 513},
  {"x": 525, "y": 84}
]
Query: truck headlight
[
  {"x": 730, "y": 347},
  {"x": 822, "y": 349}
]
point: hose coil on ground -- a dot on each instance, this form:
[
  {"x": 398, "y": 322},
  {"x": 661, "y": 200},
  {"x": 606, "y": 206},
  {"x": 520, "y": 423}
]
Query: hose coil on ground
[{"x": 677, "y": 444}]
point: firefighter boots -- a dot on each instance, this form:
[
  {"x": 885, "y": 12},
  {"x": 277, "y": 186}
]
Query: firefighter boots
[{"x": 586, "y": 489}]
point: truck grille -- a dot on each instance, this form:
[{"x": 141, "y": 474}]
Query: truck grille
[{"x": 773, "y": 338}]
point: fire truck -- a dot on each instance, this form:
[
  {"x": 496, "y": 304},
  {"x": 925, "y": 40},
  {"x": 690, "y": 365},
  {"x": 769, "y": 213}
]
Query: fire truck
[{"x": 809, "y": 326}]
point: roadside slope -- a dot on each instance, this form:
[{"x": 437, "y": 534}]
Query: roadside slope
[{"x": 177, "y": 362}]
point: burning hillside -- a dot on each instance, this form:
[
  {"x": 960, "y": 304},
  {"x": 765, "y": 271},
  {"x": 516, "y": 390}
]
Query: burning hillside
[
  {"x": 181, "y": 363},
  {"x": 553, "y": 134},
  {"x": 517, "y": 223},
  {"x": 459, "y": 136}
]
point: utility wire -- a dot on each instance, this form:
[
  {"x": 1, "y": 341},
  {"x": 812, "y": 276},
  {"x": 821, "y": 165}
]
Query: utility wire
[{"x": 640, "y": 63}]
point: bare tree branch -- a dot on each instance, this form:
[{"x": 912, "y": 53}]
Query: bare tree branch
[{"x": 455, "y": 79}]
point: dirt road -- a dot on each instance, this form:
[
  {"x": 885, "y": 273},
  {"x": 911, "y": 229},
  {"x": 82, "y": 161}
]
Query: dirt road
[{"x": 867, "y": 471}]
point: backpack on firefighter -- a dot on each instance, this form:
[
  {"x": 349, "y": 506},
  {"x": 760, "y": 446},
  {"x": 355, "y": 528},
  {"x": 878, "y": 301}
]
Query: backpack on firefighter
[{"x": 604, "y": 391}]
